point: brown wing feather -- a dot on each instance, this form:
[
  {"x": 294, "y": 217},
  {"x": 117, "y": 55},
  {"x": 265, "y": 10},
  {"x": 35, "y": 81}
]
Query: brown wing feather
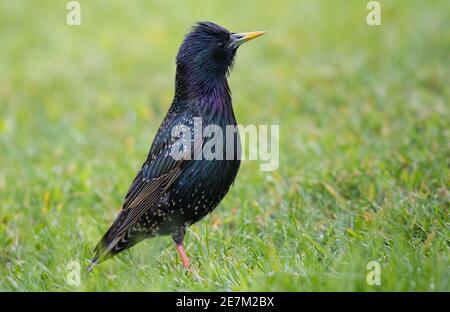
[{"x": 144, "y": 194}]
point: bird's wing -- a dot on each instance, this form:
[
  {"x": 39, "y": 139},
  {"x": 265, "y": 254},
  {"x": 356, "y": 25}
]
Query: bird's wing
[{"x": 155, "y": 177}]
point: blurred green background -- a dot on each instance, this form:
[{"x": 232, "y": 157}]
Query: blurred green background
[{"x": 364, "y": 144}]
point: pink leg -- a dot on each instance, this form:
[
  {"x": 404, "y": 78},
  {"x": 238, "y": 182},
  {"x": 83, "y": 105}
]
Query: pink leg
[{"x": 184, "y": 257}]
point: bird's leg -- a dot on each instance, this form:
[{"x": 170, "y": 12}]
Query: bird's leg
[
  {"x": 177, "y": 238},
  {"x": 184, "y": 257}
]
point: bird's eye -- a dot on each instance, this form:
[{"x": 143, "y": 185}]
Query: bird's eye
[{"x": 220, "y": 45}]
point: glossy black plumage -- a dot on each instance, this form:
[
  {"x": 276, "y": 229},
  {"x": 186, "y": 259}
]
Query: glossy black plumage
[{"x": 168, "y": 195}]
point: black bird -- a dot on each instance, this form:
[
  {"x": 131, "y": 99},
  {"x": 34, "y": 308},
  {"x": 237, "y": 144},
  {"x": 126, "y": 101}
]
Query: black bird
[{"x": 170, "y": 193}]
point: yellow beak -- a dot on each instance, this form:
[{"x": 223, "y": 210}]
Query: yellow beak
[{"x": 238, "y": 39}]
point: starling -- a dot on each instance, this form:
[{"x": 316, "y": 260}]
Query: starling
[{"x": 171, "y": 193}]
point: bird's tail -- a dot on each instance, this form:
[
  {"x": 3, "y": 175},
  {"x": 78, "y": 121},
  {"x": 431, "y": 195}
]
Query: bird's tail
[
  {"x": 114, "y": 241},
  {"x": 105, "y": 249},
  {"x": 112, "y": 244}
]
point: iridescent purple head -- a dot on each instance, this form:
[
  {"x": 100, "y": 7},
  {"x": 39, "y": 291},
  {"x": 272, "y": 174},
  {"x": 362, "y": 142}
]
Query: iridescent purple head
[{"x": 207, "y": 53}]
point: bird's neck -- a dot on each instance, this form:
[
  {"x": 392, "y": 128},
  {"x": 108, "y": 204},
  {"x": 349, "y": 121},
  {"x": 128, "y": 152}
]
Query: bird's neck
[{"x": 209, "y": 93}]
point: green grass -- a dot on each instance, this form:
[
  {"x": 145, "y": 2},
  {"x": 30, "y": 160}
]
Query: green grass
[{"x": 364, "y": 145}]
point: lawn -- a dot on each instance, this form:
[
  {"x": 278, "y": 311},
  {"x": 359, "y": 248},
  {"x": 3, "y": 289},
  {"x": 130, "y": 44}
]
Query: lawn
[{"x": 364, "y": 119}]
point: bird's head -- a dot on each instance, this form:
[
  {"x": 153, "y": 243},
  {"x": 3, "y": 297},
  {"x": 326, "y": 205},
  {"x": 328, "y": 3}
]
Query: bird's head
[{"x": 208, "y": 51}]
